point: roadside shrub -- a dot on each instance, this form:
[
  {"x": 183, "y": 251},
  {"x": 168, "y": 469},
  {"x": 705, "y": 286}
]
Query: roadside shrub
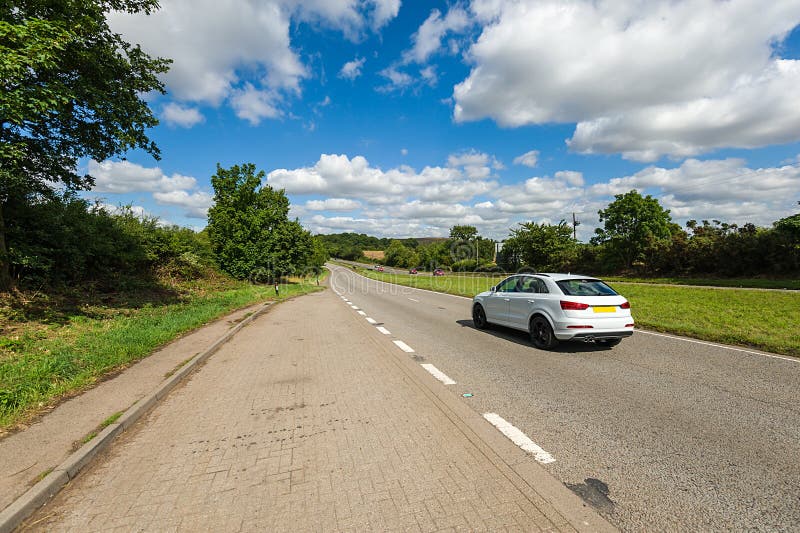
[{"x": 60, "y": 239}]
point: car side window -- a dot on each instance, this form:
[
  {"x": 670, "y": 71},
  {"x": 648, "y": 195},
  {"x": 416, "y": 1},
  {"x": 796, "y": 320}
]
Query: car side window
[
  {"x": 529, "y": 285},
  {"x": 508, "y": 285},
  {"x": 540, "y": 285}
]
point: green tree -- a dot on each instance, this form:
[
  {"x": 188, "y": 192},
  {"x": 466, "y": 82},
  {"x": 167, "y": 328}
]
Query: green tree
[
  {"x": 249, "y": 229},
  {"x": 463, "y": 233},
  {"x": 69, "y": 88},
  {"x": 397, "y": 254},
  {"x": 319, "y": 255},
  {"x": 632, "y": 223},
  {"x": 542, "y": 246}
]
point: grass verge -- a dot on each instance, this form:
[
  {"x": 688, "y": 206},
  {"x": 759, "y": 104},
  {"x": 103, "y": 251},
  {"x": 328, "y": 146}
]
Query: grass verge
[
  {"x": 53, "y": 349},
  {"x": 744, "y": 317}
]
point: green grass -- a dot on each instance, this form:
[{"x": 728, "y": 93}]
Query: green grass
[
  {"x": 103, "y": 425},
  {"x": 49, "y": 355},
  {"x": 742, "y": 283},
  {"x": 744, "y": 317}
]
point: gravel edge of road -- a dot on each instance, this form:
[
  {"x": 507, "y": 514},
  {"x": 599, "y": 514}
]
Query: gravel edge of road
[{"x": 24, "y": 506}]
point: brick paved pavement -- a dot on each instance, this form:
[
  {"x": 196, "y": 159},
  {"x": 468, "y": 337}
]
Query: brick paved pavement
[{"x": 304, "y": 421}]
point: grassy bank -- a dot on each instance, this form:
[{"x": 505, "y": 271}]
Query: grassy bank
[
  {"x": 751, "y": 318},
  {"x": 52, "y": 347}
]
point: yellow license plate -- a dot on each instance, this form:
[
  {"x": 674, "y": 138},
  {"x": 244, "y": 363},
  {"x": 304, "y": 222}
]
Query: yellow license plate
[{"x": 604, "y": 309}]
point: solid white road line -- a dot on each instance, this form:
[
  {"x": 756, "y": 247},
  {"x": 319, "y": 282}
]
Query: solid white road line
[
  {"x": 714, "y": 345},
  {"x": 519, "y": 438},
  {"x": 372, "y": 320},
  {"x": 438, "y": 374},
  {"x": 362, "y": 313},
  {"x": 403, "y": 346},
  {"x": 384, "y": 330}
]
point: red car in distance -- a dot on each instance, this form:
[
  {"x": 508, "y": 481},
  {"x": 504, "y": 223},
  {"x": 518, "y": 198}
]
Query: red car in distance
[{"x": 438, "y": 272}]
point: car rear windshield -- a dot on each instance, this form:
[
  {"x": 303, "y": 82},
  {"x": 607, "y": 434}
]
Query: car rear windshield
[{"x": 585, "y": 287}]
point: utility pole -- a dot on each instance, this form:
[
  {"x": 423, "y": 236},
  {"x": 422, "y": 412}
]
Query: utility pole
[{"x": 575, "y": 225}]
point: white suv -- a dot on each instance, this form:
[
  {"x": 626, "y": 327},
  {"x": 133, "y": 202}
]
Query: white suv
[{"x": 556, "y": 307}]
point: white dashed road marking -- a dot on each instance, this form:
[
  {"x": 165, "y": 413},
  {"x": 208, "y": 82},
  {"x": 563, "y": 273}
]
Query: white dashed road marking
[
  {"x": 354, "y": 307},
  {"x": 413, "y": 300},
  {"x": 371, "y": 320},
  {"x": 519, "y": 438},
  {"x": 384, "y": 330},
  {"x": 403, "y": 346},
  {"x": 438, "y": 374}
]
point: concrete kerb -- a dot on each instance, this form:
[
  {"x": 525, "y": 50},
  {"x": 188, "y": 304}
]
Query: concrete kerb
[{"x": 24, "y": 506}]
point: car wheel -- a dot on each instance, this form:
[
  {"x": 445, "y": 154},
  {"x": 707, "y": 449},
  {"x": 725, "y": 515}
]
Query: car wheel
[
  {"x": 542, "y": 335},
  {"x": 608, "y": 343},
  {"x": 479, "y": 317}
]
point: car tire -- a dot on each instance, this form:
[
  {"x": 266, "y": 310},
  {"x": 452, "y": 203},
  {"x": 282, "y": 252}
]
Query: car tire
[
  {"x": 479, "y": 317},
  {"x": 608, "y": 343},
  {"x": 542, "y": 335}
]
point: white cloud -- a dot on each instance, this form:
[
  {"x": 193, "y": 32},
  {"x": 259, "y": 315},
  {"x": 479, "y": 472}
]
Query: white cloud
[
  {"x": 218, "y": 45},
  {"x": 332, "y": 204},
  {"x": 756, "y": 113},
  {"x": 529, "y": 159},
  {"x": 540, "y": 197},
  {"x": 403, "y": 151},
  {"x": 342, "y": 177},
  {"x": 352, "y": 17},
  {"x": 211, "y": 41},
  {"x": 124, "y": 177},
  {"x": 254, "y": 105},
  {"x": 383, "y": 11},
  {"x": 429, "y": 75},
  {"x": 476, "y": 165},
  {"x": 196, "y": 204},
  {"x": 569, "y": 177},
  {"x": 645, "y": 78},
  {"x": 725, "y": 189},
  {"x": 120, "y": 177},
  {"x": 398, "y": 80},
  {"x": 175, "y": 114},
  {"x": 428, "y": 38},
  {"x": 352, "y": 69}
]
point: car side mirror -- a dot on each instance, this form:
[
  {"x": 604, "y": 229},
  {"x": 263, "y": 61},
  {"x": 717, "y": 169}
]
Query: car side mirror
[{"x": 493, "y": 289}]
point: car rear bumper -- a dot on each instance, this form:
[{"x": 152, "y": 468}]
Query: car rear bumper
[{"x": 588, "y": 336}]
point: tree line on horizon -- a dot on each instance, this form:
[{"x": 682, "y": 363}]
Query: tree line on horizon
[{"x": 637, "y": 237}]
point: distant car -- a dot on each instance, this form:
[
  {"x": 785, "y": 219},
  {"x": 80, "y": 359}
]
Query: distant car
[
  {"x": 438, "y": 272},
  {"x": 412, "y": 271},
  {"x": 556, "y": 307},
  {"x": 379, "y": 269}
]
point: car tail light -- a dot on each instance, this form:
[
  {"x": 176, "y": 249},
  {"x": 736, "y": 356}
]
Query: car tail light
[
  {"x": 580, "y": 327},
  {"x": 573, "y": 306},
  {"x": 626, "y": 305},
  {"x": 628, "y": 325}
]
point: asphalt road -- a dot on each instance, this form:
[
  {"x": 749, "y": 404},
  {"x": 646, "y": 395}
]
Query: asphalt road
[{"x": 659, "y": 433}]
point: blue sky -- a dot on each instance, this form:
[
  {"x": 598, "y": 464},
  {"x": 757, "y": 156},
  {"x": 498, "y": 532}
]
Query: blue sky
[{"x": 398, "y": 118}]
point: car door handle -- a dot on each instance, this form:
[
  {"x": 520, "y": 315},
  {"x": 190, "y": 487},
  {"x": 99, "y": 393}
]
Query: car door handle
[
  {"x": 531, "y": 301},
  {"x": 507, "y": 299}
]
